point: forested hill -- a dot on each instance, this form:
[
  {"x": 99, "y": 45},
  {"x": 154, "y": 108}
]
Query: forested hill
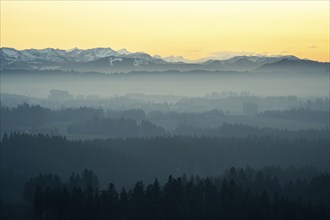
[
  {"x": 87, "y": 122},
  {"x": 124, "y": 161},
  {"x": 236, "y": 194}
]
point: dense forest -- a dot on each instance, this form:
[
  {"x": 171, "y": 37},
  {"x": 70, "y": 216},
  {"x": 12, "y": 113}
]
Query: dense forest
[
  {"x": 299, "y": 114},
  {"x": 236, "y": 194},
  {"x": 240, "y": 130},
  {"x": 122, "y": 127},
  {"x": 25, "y": 115},
  {"x": 36, "y": 115},
  {"x": 126, "y": 160},
  {"x": 286, "y": 175},
  {"x": 169, "y": 110},
  {"x": 286, "y": 152},
  {"x": 137, "y": 123}
]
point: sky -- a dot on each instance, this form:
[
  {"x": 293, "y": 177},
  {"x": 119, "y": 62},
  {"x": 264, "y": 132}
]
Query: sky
[{"x": 192, "y": 29}]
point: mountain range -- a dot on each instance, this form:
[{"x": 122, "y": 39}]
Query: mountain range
[{"x": 108, "y": 60}]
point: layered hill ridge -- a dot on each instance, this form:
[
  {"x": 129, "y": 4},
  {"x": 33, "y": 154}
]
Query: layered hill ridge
[{"x": 109, "y": 60}]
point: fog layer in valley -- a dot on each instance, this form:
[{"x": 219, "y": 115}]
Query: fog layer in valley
[
  {"x": 164, "y": 83},
  {"x": 66, "y": 131}
]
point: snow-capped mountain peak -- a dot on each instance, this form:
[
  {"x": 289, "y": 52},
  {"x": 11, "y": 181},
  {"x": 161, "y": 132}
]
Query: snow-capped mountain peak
[
  {"x": 10, "y": 52},
  {"x": 109, "y": 60},
  {"x": 124, "y": 51}
]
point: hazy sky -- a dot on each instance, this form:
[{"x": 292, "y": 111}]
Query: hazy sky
[{"x": 192, "y": 29}]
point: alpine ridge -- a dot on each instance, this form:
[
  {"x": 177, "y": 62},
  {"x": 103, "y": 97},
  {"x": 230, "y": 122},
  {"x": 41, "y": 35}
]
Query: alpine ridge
[{"x": 108, "y": 60}]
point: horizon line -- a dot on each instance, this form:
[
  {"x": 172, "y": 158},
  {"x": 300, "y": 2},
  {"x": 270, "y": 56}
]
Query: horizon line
[{"x": 229, "y": 54}]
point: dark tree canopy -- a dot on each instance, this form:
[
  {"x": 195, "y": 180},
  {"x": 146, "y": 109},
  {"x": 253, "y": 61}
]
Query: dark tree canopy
[{"x": 239, "y": 194}]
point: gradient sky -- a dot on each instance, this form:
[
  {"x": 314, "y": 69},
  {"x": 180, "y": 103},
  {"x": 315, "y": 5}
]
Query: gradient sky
[{"x": 192, "y": 29}]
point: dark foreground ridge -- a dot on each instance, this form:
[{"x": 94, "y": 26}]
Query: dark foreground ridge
[{"x": 238, "y": 194}]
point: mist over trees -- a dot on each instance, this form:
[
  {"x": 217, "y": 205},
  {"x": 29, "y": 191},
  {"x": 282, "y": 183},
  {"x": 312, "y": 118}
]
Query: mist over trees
[
  {"x": 127, "y": 160},
  {"x": 138, "y": 122},
  {"x": 131, "y": 138},
  {"x": 236, "y": 194},
  {"x": 245, "y": 138},
  {"x": 116, "y": 128}
]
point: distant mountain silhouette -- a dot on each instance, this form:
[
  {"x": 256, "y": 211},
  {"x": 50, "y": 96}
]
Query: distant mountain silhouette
[
  {"x": 245, "y": 63},
  {"x": 289, "y": 65},
  {"x": 109, "y": 60}
]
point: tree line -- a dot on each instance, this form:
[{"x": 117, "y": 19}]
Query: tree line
[
  {"x": 303, "y": 114},
  {"x": 126, "y": 160},
  {"x": 135, "y": 123},
  {"x": 35, "y": 115},
  {"x": 119, "y": 128},
  {"x": 236, "y": 194},
  {"x": 241, "y": 130}
]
